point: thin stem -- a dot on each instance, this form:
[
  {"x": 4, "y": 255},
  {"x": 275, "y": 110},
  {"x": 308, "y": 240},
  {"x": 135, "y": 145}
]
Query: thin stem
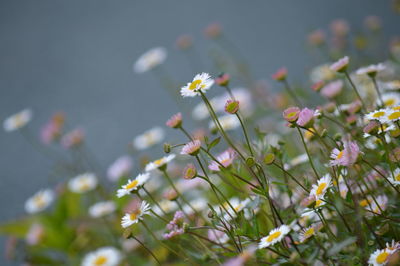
[{"x": 308, "y": 153}]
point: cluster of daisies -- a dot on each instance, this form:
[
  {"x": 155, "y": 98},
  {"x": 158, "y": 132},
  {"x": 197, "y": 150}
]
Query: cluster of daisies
[{"x": 295, "y": 177}]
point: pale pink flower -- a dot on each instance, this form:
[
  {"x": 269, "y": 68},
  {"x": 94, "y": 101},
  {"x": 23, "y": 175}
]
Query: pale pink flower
[
  {"x": 120, "y": 168},
  {"x": 340, "y": 27},
  {"x": 332, "y": 89},
  {"x": 191, "y": 148},
  {"x": 340, "y": 65},
  {"x": 291, "y": 114},
  {"x": 73, "y": 138},
  {"x": 175, "y": 121},
  {"x": 281, "y": 74},
  {"x": 225, "y": 159},
  {"x": 346, "y": 157},
  {"x": 175, "y": 226},
  {"x": 306, "y": 117},
  {"x": 223, "y": 79}
]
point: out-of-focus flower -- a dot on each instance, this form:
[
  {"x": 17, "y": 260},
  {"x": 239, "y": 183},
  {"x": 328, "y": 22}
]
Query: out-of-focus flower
[
  {"x": 340, "y": 27},
  {"x": 318, "y": 191},
  {"x": 321, "y": 73},
  {"x": 393, "y": 85},
  {"x": 120, "y": 168},
  {"x": 191, "y": 148},
  {"x": 83, "y": 183},
  {"x": 380, "y": 257},
  {"x": 280, "y": 74},
  {"x": 133, "y": 185},
  {"x": 40, "y": 201},
  {"x": 316, "y": 37},
  {"x": 242, "y": 258},
  {"x": 225, "y": 159},
  {"x": 214, "y": 30},
  {"x": 340, "y": 65},
  {"x": 149, "y": 138},
  {"x": 223, "y": 79},
  {"x": 391, "y": 116},
  {"x": 291, "y": 114},
  {"x": 101, "y": 209},
  {"x": 274, "y": 236},
  {"x": 395, "y": 180},
  {"x": 52, "y": 129},
  {"x": 306, "y": 118},
  {"x": 189, "y": 172},
  {"x": 346, "y": 157},
  {"x": 160, "y": 163},
  {"x": 378, "y": 115},
  {"x": 150, "y": 60},
  {"x": 371, "y": 70},
  {"x": 373, "y": 23},
  {"x": 377, "y": 206},
  {"x": 73, "y": 138},
  {"x": 201, "y": 82},
  {"x": 391, "y": 99},
  {"x": 317, "y": 86},
  {"x": 228, "y": 122},
  {"x": 35, "y": 234},
  {"x": 332, "y": 89},
  {"x": 105, "y": 256},
  {"x": 306, "y": 233},
  {"x": 232, "y": 106},
  {"x": 136, "y": 215},
  {"x": 175, "y": 121},
  {"x": 18, "y": 120},
  {"x": 237, "y": 204},
  {"x": 167, "y": 206},
  {"x": 184, "y": 42},
  {"x": 175, "y": 226},
  {"x": 217, "y": 236}
]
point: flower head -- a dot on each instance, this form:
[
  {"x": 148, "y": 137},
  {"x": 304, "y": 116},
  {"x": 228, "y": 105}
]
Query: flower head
[
  {"x": 192, "y": 148},
  {"x": 83, "y": 183},
  {"x": 150, "y": 60},
  {"x": 40, "y": 201},
  {"x": 371, "y": 70},
  {"x": 281, "y": 74},
  {"x": 332, "y": 89},
  {"x": 291, "y": 114},
  {"x": 346, "y": 157},
  {"x": 274, "y": 236},
  {"x": 379, "y": 115},
  {"x": 395, "y": 179},
  {"x": 340, "y": 65},
  {"x": 175, "y": 121},
  {"x": 201, "y": 82},
  {"x": 225, "y": 159},
  {"x": 223, "y": 79},
  {"x": 306, "y": 117},
  {"x": 136, "y": 215},
  {"x": 73, "y": 138},
  {"x": 18, "y": 120},
  {"x": 149, "y": 138},
  {"x": 184, "y": 42},
  {"x": 133, "y": 185},
  {"x": 160, "y": 163},
  {"x": 105, "y": 256},
  {"x": 120, "y": 168},
  {"x": 190, "y": 171},
  {"x": 323, "y": 184},
  {"x": 101, "y": 209},
  {"x": 380, "y": 257},
  {"x": 232, "y": 106},
  {"x": 306, "y": 233}
]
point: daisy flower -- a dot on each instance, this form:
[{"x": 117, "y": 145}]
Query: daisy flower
[
  {"x": 160, "y": 163},
  {"x": 101, "y": 209},
  {"x": 133, "y": 185},
  {"x": 201, "y": 82},
  {"x": 149, "y": 138},
  {"x": 346, "y": 157},
  {"x": 340, "y": 65},
  {"x": 332, "y": 89},
  {"x": 319, "y": 190},
  {"x": 135, "y": 216},
  {"x": 175, "y": 121},
  {"x": 291, "y": 114},
  {"x": 120, "y": 168},
  {"x": 274, "y": 236},
  {"x": 217, "y": 236},
  {"x": 371, "y": 70},
  {"x": 380, "y": 257},
  {"x": 391, "y": 116},
  {"x": 191, "y": 148},
  {"x": 377, "y": 115},
  {"x": 396, "y": 179},
  {"x": 306, "y": 117},
  {"x": 228, "y": 122},
  {"x": 40, "y": 201},
  {"x": 105, "y": 256},
  {"x": 83, "y": 183},
  {"x": 391, "y": 99},
  {"x": 226, "y": 159},
  {"x": 17, "y": 121},
  {"x": 380, "y": 204},
  {"x": 150, "y": 60},
  {"x": 306, "y": 233},
  {"x": 237, "y": 204}
]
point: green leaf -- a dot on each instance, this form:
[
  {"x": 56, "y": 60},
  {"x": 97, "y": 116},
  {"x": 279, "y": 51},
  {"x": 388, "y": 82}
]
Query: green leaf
[
  {"x": 17, "y": 228},
  {"x": 213, "y": 143}
]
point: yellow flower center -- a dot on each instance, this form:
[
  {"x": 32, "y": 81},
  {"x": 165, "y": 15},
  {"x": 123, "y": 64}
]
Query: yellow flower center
[
  {"x": 364, "y": 203},
  {"x": 39, "y": 201},
  {"x": 397, "y": 108},
  {"x": 378, "y": 114},
  {"x": 394, "y": 115},
  {"x": 318, "y": 203},
  {"x": 291, "y": 114},
  {"x": 273, "y": 236},
  {"x": 397, "y": 177},
  {"x": 340, "y": 155},
  {"x": 389, "y": 102},
  {"x": 132, "y": 184},
  {"x": 100, "y": 260},
  {"x": 309, "y": 232},
  {"x": 381, "y": 258},
  {"x": 159, "y": 161},
  {"x": 224, "y": 161},
  {"x": 84, "y": 185},
  {"x": 134, "y": 215},
  {"x": 320, "y": 189},
  {"x": 195, "y": 84}
]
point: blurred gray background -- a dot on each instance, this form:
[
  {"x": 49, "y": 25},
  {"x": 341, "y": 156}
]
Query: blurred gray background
[{"x": 77, "y": 55}]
